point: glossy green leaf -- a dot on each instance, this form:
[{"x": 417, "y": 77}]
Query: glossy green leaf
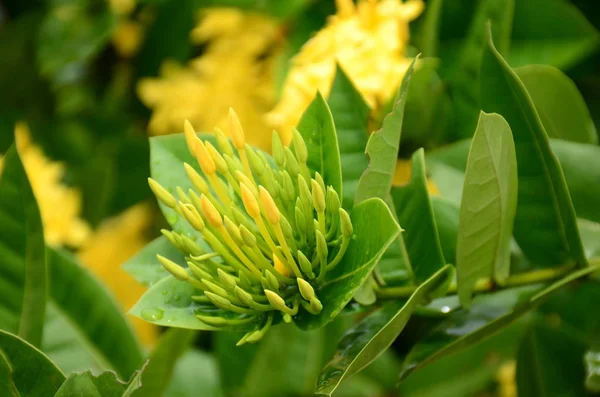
[
  {"x": 382, "y": 149},
  {"x": 544, "y": 203},
  {"x": 446, "y": 215},
  {"x": 105, "y": 384},
  {"x": 22, "y": 254},
  {"x": 488, "y": 314},
  {"x": 559, "y": 103},
  {"x": 90, "y": 318},
  {"x": 415, "y": 214},
  {"x": 161, "y": 362},
  {"x": 7, "y": 384},
  {"x": 466, "y": 75},
  {"x": 560, "y": 36},
  {"x": 144, "y": 266},
  {"x": 195, "y": 373},
  {"x": 317, "y": 128},
  {"x": 364, "y": 251},
  {"x": 538, "y": 371},
  {"x": 169, "y": 303},
  {"x": 351, "y": 116},
  {"x": 33, "y": 374},
  {"x": 487, "y": 211},
  {"x": 590, "y": 237},
  {"x": 367, "y": 340}
]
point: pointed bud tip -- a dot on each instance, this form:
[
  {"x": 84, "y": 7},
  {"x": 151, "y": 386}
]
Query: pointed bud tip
[
  {"x": 236, "y": 131},
  {"x": 210, "y": 212},
  {"x": 249, "y": 201},
  {"x": 271, "y": 211}
]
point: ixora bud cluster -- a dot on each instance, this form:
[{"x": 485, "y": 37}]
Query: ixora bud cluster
[{"x": 274, "y": 231}]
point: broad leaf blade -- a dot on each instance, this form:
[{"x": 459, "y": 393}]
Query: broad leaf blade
[
  {"x": 105, "y": 384},
  {"x": 544, "y": 202},
  {"x": 351, "y": 115},
  {"x": 7, "y": 384},
  {"x": 446, "y": 215},
  {"x": 487, "y": 211},
  {"x": 559, "y": 103},
  {"x": 195, "y": 373},
  {"x": 415, "y": 214},
  {"x": 161, "y": 361},
  {"x": 317, "y": 128},
  {"x": 93, "y": 318},
  {"x": 144, "y": 266},
  {"x": 366, "y": 341},
  {"x": 22, "y": 254},
  {"x": 382, "y": 149},
  {"x": 33, "y": 373},
  {"x": 368, "y": 245}
]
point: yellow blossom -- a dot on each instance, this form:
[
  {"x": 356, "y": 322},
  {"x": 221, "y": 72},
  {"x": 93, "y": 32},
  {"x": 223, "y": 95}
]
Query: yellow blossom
[
  {"x": 60, "y": 205},
  {"x": 402, "y": 177},
  {"x": 115, "y": 241},
  {"x": 127, "y": 37},
  {"x": 506, "y": 379},
  {"x": 367, "y": 40},
  {"x": 122, "y": 7},
  {"x": 235, "y": 70}
]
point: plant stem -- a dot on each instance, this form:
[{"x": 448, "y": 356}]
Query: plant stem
[{"x": 488, "y": 285}]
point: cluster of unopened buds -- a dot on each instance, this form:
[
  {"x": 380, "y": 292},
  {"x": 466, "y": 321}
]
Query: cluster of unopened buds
[{"x": 274, "y": 231}]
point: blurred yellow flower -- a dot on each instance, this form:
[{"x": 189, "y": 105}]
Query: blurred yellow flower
[
  {"x": 367, "y": 40},
  {"x": 115, "y": 241},
  {"x": 402, "y": 177},
  {"x": 60, "y": 205},
  {"x": 506, "y": 379},
  {"x": 127, "y": 37},
  {"x": 122, "y": 7},
  {"x": 236, "y": 70}
]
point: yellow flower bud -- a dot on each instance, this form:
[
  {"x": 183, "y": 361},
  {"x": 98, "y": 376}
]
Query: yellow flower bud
[
  {"x": 162, "y": 194},
  {"x": 249, "y": 201},
  {"x": 277, "y": 301},
  {"x": 190, "y": 137},
  {"x": 204, "y": 159},
  {"x": 242, "y": 178},
  {"x": 280, "y": 266},
  {"x": 271, "y": 211},
  {"x": 177, "y": 271},
  {"x": 197, "y": 180},
  {"x": 210, "y": 212},
  {"x": 223, "y": 142},
  {"x": 192, "y": 216},
  {"x": 236, "y": 131},
  {"x": 217, "y": 158},
  {"x": 306, "y": 290}
]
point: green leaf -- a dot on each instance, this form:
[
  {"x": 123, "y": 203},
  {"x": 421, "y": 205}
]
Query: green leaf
[
  {"x": 487, "y": 211},
  {"x": 538, "y": 374},
  {"x": 169, "y": 303},
  {"x": 560, "y": 36},
  {"x": 590, "y": 237},
  {"x": 415, "y": 214},
  {"x": 195, "y": 373},
  {"x": 367, "y": 340},
  {"x": 161, "y": 361},
  {"x": 71, "y": 33},
  {"x": 559, "y": 103},
  {"x": 33, "y": 374},
  {"x": 90, "y": 322},
  {"x": 464, "y": 81},
  {"x": 350, "y": 115},
  {"x": 446, "y": 215},
  {"x": 317, "y": 128},
  {"x": 144, "y": 266},
  {"x": 105, "y": 384},
  {"x": 7, "y": 384},
  {"x": 592, "y": 365},
  {"x": 544, "y": 202},
  {"x": 22, "y": 254},
  {"x": 427, "y": 36},
  {"x": 382, "y": 149},
  {"x": 364, "y": 251},
  {"x": 488, "y": 315}
]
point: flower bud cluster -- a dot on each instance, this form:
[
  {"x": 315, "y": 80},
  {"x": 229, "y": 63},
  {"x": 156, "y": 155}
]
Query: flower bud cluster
[{"x": 274, "y": 231}]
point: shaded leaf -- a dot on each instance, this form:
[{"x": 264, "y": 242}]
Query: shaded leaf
[
  {"x": 544, "y": 202},
  {"x": 446, "y": 215},
  {"x": 7, "y": 384},
  {"x": 22, "y": 254},
  {"x": 162, "y": 359},
  {"x": 559, "y": 103},
  {"x": 33, "y": 374},
  {"x": 488, "y": 206},
  {"x": 364, "y": 251},
  {"x": 195, "y": 373},
  {"x": 427, "y": 36},
  {"x": 105, "y": 384},
  {"x": 415, "y": 214},
  {"x": 317, "y": 128},
  {"x": 144, "y": 266},
  {"x": 382, "y": 149},
  {"x": 592, "y": 364},
  {"x": 367, "y": 340},
  {"x": 350, "y": 115}
]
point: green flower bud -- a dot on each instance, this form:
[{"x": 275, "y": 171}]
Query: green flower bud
[
  {"x": 162, "y": 194},
  {"x": 182, "y": 196},
  {"x": 305, "y": 265},
  {"x": 320, "y": 181},
  {"x": 169, "y": 236},
  {"x": 198, "y": 272},
  {"x": 322, "y": 251},
  {"x": 277, "y": 150},
  {"x": 305, "y": 194},
  {"x": 277, "y": 302},
  {"x": 291, "y": 164},
  {"x": 213, "y": 321},
  {"x": 232, "y": 165},
  {"x": 345, "y": 224},
  {"x": 243, "y": 296},
  {"x": 223, "y": 143},
  {"x": 247, "y": 236},
  {"x": 299, "y": 146},
  {"x": 226, "y": 279},
  {"x": 272, "y": 282},
  {"x": 197, "y": 180},
  {"x": 318, "y": 196},
  {"x": 316, "y": 306},
  {"x": 306, "y": 290},
  {"x": 218, "y": 301},
  {"x": 190, "y": 246},
  {"x": 177, "y": 271},
  {"x": 220, "y": 162},
  {"x": 214, "y": 288},
  {"x": 289, "y": 191},
  {"x": 244, "y": 281},
  {"x": 257, "y": 165},
  {"x": 233, "y": 231}
]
